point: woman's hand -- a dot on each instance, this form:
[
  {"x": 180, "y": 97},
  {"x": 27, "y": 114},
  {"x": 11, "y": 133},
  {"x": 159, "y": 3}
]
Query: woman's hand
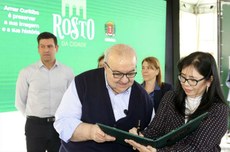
[
  {"x": 135, "y": 132},
  {"x": 139, "y": 147}
]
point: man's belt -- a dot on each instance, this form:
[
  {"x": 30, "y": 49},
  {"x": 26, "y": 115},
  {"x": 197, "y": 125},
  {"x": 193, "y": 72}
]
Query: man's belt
[{"x": 38, "y": 119}]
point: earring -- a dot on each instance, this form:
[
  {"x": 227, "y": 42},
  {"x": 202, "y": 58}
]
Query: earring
[{"x": 207, "y": 88}]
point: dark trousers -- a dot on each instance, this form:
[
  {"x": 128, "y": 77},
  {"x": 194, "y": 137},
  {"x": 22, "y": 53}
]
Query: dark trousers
[{"x": 41, "y": 135}]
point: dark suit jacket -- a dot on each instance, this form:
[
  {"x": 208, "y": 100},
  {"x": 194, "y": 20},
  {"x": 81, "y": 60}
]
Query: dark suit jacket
[{"x": 158, "y": 94}]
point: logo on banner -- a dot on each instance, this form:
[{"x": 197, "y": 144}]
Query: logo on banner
[
  {"x": 74, "y": 5},
  {"x": 110, "y": 31},
  {"x": 72, "y": 26}
]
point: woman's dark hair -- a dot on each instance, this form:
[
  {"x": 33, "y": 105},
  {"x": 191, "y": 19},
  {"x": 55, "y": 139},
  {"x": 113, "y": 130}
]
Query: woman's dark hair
[
  {"x": 205, "y": 64},
  {"x": 47, "y": 35}
]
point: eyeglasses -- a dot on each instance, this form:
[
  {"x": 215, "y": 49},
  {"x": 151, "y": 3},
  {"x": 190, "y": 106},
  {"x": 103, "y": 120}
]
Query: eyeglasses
[
  {"x": 191, "y": 82},
  {"x": 120, "y": 75}
]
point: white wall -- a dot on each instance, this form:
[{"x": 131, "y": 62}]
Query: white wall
[
  {"x": 198, "y": 29},
  {"x": 12, "y": 138}
]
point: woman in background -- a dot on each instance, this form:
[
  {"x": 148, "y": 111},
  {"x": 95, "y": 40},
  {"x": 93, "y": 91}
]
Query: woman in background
[
  {"x": 198, "y": 91},
  {"x": 151, "y": 73}
]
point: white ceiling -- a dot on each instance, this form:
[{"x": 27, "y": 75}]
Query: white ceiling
[
  {"x": 198, "y": 6},
  {"x": 199, "y": 2}
]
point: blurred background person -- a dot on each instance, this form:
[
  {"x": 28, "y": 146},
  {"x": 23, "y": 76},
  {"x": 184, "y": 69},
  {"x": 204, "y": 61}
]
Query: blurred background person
[
  {"x": 228, "y": 85},
  {"x": 152, "y": 76}
]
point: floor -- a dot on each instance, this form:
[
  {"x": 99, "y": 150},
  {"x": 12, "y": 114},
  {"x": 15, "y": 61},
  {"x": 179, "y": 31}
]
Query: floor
[{"x": 12, "y": 137}]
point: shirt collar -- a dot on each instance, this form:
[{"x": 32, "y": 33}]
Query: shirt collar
[
  {"x": 40, "y": 64},
  {"x": 157, "y": 87},
  {"x": 191, "y": 104}
]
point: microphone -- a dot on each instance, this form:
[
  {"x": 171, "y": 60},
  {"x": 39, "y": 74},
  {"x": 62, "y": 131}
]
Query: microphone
[{"x": 126, "y": 112}]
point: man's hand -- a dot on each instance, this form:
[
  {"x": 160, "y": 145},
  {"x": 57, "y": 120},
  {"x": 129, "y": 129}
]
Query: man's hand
[
  {"x": 137, "y": 146},
  {"x": 98, "y": 135},
  {"x": 86, "y": 131}
]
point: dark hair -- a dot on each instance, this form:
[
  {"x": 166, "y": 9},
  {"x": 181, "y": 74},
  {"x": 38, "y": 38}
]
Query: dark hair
[
  {"x": 99, "y": 59},
  {"x": 205, "y": 64},
  {"x": 47, "y": 35}
]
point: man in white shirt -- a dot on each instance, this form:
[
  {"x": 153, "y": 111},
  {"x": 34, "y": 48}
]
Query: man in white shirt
[{"x": 39, "y": 90}]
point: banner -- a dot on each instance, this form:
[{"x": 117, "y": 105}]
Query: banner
[{"x": 84, "y": 28}]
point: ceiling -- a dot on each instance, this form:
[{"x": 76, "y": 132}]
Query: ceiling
[
  {"x": 199, "y": 2},
  {"x": 198, "y": 6}
]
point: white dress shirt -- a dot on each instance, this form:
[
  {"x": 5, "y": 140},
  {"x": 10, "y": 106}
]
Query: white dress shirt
[{"x": 39, "y": 90}]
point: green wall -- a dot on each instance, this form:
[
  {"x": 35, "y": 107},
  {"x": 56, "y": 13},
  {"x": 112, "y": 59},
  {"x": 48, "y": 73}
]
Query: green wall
[{"x": 81, "y": 35}]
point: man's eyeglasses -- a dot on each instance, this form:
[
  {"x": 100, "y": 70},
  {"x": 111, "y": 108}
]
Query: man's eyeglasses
[
  {"x": 120, "y": 75},
  {"x": 191, "y": 82}
]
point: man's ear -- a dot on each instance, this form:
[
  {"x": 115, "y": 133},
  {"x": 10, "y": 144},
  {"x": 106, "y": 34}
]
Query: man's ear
[{"x": 57, "y": 48}]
